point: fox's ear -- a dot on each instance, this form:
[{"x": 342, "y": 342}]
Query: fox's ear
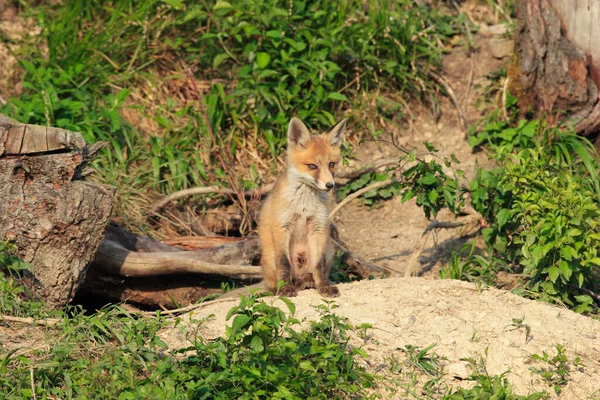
[
  {"x": 298, "y": 134},
  {"x": 336, "y": 133}
]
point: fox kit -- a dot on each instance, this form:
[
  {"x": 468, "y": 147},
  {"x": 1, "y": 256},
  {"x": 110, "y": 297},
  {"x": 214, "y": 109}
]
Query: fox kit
[{"x": 294, "y": 222}]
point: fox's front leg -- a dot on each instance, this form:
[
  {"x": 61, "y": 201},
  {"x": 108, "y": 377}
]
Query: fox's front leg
[
  {"x": 318, "y": 244},
  {"x": 284, "y": 273},
  {"x": 275, "y": 265}
]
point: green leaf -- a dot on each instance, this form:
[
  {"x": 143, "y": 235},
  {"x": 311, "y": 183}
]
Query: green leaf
[
  {"x": 257, "y": 344},
  {"x": 502, "y": 217},
  {"x": 262, "y": 60},
  {"x": 553, "y": 273},
  {"x": 433, "y": 196},
  {"x": 219, "y": 58},
  {"x": 431, "y": 148},
  {"x": 337, "y": 96},
  {"x": 239, "y": 323},
  {"x": 291, "y": 306},
  {"x": 565, "y": 270},
  {"x": 428, "y": 179}
]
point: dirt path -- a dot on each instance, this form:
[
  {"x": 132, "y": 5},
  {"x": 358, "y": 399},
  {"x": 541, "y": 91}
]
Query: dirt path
[
  {"x": 388, "y": 234},
  {"x": 462, "y": 320}
]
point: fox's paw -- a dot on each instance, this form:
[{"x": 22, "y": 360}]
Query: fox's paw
[
  {"x": 329, "y": 291},
  {"x": 288, "y": 291}
]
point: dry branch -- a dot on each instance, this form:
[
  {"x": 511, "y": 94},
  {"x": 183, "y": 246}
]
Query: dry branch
[
  {"x": 386, "y": 162},
  {"x": 30, "y": 321},
  {"x": 421, "y": 244},
  {"x": 114, "y": 259},
  {"x": 439, "y": 79},
  {"x": 360, "y": 192},
  {"x": 156, "y": 207}
]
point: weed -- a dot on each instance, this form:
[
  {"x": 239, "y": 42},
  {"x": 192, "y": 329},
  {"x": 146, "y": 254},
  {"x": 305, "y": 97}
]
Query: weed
[
  {"x": 517, "y": 324},
  {"x": 15, "y": 298},
  {"x": 488, "y": 386},
  {"x": 542, "y": 207},
  {"x": 556, "y": 373},
  {"x": 470, "y": 267},
  {"x": 418, "y": 364},
  {"x": 424, "y": 181},
  {"x": 113, "y": 354},
  {"x": 103, "y": 68},
  {"x": 423, "y": 361}
]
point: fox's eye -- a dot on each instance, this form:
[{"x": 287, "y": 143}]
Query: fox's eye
[
  {"x": 312, "y": 166},
  {"x": 331, "y": 164}
]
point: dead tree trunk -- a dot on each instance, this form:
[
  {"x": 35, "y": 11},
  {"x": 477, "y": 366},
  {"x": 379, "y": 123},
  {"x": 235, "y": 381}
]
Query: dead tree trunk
[
  {"x": 56, "y": 220},
  {"x": 556, "y": 68}
]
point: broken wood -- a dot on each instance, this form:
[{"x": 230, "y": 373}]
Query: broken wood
[
  {"x": 55, "y": 220},
  {"x": 114, "y": 259}
]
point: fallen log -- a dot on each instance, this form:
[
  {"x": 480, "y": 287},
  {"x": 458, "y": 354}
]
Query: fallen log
[
  {"x": 134, "y": 268},
  {"x": 114, "y": 259}
]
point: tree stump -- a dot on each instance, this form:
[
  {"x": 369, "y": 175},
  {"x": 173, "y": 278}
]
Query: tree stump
[
  {"x": 557, "y": 60},
  {"x": 55, "y": 219}
]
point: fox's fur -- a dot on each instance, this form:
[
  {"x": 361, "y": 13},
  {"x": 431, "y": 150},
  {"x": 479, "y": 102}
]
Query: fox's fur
[{"x": 294, "y": 223}]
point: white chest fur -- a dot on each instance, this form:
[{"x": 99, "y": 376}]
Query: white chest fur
[{"x": 305, "y": 202}]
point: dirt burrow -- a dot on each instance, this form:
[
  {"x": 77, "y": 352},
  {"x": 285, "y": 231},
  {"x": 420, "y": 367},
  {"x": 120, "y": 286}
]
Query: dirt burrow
[{"x": 460, "y": 318}]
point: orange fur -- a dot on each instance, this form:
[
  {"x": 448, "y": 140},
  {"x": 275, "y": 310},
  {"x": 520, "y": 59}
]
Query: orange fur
[{"x": 294, "y": 224}]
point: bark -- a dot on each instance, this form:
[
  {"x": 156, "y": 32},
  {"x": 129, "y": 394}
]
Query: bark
[
  {"x": 114, "y": 259},
  {"x": 152, "y": 293},
  {"x": 556, "y": 67},
  {"x": 56, "y": 221}
]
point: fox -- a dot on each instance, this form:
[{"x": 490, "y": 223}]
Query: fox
[{"x": 294, "y": 221}]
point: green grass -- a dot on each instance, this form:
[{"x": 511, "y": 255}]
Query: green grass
[{"x": 260, "y": 62}]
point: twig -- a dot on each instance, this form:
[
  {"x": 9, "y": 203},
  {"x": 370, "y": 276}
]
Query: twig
[
  {"x": 504, "y": 91},
  {"x": 32, "y": 381},
  {"x": 204, "y": 190},
  {"x": 452, "y": 95},
  {"x": 470, "y": 83},
  {"x": 154, "y": 208},
  {"x": 350, "y": 258},
  {"x": 358, "y": 193},
  {"x": 420, "y": 247},
  {"x": 589, "y": 292},
  {"x": 386, "y": 162},
  {"x": 189, "y": 308},
  {"x": 30, "y": 321}
]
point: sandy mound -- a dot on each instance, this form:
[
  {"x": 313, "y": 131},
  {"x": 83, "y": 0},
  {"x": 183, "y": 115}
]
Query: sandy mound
[{"x": 460, "y": 319}]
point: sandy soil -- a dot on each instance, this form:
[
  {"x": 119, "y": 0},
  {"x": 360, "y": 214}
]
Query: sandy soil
[{"x": 461, "y": 319}]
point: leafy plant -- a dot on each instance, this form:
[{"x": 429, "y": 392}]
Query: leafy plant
[
  {"x": 488, "y": 386},
  {"x": 425, "y": 181},
  {"x": 556, "y": 371},
  {"x": 470, "y": 267},
  {"x": 542, "y": 208},
  {"x": 264, "y": 354},
  {"x": 15, "y": 298},
  {"x": 424, "y": 361},
  {"x": 261, "y": 356}
]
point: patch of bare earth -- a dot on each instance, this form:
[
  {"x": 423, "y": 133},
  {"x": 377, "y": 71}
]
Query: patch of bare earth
[
  {"x": 14, "y": 27},
  {"x": 388, "y": 234}
]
